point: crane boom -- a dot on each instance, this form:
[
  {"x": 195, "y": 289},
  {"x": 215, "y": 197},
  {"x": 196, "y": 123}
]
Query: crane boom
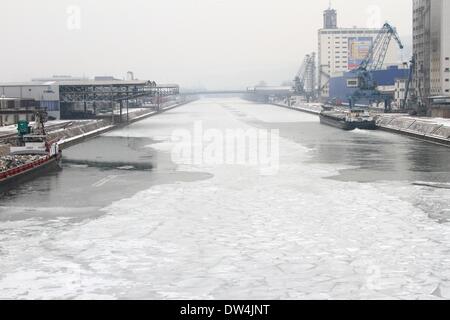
[{"x": 378, "y": 50}]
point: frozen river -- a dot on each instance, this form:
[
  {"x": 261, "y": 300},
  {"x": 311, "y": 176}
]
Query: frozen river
[{"x": 344, "y": 215}]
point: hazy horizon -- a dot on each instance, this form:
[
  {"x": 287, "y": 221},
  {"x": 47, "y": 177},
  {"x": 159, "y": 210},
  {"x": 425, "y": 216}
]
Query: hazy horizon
[{"x": 215, "y": 44}]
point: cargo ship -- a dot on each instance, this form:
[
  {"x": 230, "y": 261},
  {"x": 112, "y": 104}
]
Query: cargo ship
[
  {"x": 33, "y": 155},
  {"x": 348, "y": 120}
]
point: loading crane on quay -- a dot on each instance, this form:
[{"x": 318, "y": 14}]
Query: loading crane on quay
[
  {"x": 412, "y": 68},
  {"x": 413, "y": 101},
  {"x": 304, "y": 82},
  {"x": 367, "y": 87}
]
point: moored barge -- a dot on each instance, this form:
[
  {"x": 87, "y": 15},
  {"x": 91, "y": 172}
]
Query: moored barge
[
  {"x": 32, "y": 155},
  {"x": 348, "y": 120}
]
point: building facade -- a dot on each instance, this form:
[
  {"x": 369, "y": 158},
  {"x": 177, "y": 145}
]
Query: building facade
[
  {"x": 87, "y": 99},
  {"x": 13, "y": 110},
  {"x": 400, "y": 92},
  {"x": 431, "y": 46},
  {"x": 45, "y": 94},
  {"x": 343, "y": 49},
  {"x": 391, "y": 81}
]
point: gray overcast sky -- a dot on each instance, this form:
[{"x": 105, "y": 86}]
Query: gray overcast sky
[{"x": 211, "y": 43}]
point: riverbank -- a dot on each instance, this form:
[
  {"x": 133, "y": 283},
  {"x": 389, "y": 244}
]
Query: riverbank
[
  {"x": 74, "y": 136},
  {"x": 434, "y": 130},
  {"x": 310, "y": 108},
  {"x": 83, "y": 130}
]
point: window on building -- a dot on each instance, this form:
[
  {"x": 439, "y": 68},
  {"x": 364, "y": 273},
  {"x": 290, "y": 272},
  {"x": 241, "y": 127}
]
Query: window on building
[{"x": 352, "y": 83}]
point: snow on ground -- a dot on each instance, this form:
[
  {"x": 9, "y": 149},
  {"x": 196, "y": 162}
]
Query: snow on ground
[
  {"x": 293, "y": 235},
  {"x": 131, "y": 110},
  {"x": 7, "y": 129},
  {"x": 439, "y": 121},
  {"x": 13, "y": 128}
]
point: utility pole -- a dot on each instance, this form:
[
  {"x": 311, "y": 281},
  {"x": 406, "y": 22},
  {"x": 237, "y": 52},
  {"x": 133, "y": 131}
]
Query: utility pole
[
  {"x": 128, "y": 118},
  {"x": 112, "y": 104},
  {"x": 121, "y": 106},
  {"x": 158, "y": 95}
]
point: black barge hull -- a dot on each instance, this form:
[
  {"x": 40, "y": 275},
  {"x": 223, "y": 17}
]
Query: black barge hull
[
  {"x": 341, "y": 123},
  {"x": 337, "y": 123},
  {"x": 366, "y": 125}
]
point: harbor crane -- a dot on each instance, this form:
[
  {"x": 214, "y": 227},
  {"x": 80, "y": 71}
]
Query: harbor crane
[
  {"x": 413, "y": 100},
  {"x": 412, "y": 68},
  {"x": 367, "y": 87},
  {"x": 305, "y": 80}
]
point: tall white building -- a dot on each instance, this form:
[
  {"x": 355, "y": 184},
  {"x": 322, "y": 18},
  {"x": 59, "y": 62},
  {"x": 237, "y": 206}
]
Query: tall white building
[
  {"x": 431, "y": 46},
  {"x": 343, "y": 49}
]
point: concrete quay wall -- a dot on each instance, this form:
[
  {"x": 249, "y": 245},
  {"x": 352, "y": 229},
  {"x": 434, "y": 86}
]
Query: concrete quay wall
[
  {"x": 428, "y": 129},
  {"x": 299, "y": 108},
  {"x": 82, "y": 133}
]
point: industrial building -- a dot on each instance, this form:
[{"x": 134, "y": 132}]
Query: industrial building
[
  {"x": 431, "y": 46},
  {"x": 342, "y": 49},
  {"x": 13, "y": 110},
  {"x": 79, "y": 98},
  {"x": 45, "y": 94},
  {"x": 400, "y": 89},
  {"x": 389, "y": 81}
]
